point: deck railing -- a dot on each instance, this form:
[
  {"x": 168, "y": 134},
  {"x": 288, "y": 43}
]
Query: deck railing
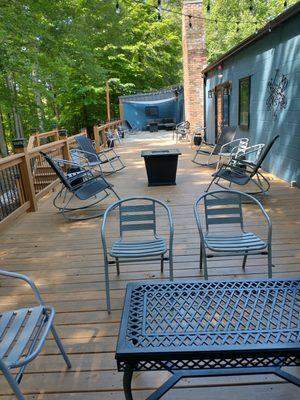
[
  {"x": 100, "y": 133},
  {"x": 25, "y": 177}
]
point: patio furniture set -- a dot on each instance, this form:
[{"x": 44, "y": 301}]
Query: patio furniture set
[{"x": 188, "y": 328}]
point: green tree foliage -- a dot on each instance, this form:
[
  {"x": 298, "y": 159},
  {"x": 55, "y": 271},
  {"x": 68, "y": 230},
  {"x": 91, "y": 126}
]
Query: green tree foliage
[
  {"x": 57, "y": 55},
  {"x": 221, "y": 27}
]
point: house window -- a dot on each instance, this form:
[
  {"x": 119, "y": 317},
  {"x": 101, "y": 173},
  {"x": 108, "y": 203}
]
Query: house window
[
  {"x": 244, "y": 102},
  {"x": 152, "y": 111}
]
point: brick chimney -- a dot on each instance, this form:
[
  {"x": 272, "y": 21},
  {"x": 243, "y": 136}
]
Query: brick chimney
[{"x": 194, "y": 59}]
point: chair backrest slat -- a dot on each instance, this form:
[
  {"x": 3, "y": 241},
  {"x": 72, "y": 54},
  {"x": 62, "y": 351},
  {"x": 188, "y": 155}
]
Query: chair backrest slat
[
  {"x": 223, "y": 210},
  {"x": 138, "y": 227},
  {"x": 137, "y": 217},
  {"x": 86, "y": 144},
  {"x": 137, "y": 208},
  {"x": 223, "y": 220},
  {"x": 220, "y": 201}
]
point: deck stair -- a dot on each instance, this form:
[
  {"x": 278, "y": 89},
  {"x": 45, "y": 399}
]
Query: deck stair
[{"x": 43, "y": 175}]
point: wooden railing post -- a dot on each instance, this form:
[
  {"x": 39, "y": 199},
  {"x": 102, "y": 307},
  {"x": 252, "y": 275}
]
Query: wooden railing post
[
  {"x": 26, "y": 175},
  {"x": 63, "y": 135},
  {"x": 96, "y": 138}
]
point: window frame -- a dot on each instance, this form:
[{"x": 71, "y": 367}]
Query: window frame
[
  {"x": 244, "y": 125},
  {"x": 149, "y": 111},
  {"x": 227, "y": 97}
]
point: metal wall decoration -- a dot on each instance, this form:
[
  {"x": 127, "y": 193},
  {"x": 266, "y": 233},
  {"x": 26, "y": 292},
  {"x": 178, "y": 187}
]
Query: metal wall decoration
[{"x": 277, "y": 100}]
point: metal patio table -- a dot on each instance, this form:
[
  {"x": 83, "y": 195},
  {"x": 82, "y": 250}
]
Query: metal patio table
[{"x": 209, "y": 328}]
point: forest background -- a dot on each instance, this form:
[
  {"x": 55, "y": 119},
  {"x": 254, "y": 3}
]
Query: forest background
[{"x": 56, "y": 56}]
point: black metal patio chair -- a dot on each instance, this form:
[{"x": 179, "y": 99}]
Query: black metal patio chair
[
  {"x": 23, "y": 334},
  {"x": 106, "y": 157},
  {"x": 79, "y": 185},
  {"x": 221, "y": 226},
  {"x": 206, "y": 149},
  {"x": 139, "y": 238},
  {"x": 241, "y": 172}
]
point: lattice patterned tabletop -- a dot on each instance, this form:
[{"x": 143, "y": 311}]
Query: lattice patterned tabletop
[{"x": 210, "y": 324}]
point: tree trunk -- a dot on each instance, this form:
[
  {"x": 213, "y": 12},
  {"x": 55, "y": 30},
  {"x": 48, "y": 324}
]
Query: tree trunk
[
  {"x": 3, "y": 148},
  {"x": 38, "y": 99},
  {"x": 16, "y": 116},
  {"x": 54, "y": 103}
]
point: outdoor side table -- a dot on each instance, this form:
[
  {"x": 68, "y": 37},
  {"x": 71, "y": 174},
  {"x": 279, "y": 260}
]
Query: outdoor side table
[
  {"x": 161, "y": 166},
  {"x": 153, "y": 127},
  {"x": 209, "y": 328}
]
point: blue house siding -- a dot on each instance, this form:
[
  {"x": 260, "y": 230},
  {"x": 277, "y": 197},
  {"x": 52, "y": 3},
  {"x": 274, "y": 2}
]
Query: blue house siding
[{"x": 280, "y": 49}]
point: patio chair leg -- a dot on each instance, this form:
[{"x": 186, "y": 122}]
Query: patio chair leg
[
  {"x": 205, "y": 266},
  {"x": 12, "y": 382},
  {"x": 171, "y": 266},
  {"x": 209, "y": 186},
  {"x": 162, "y": 263},
  {"x": 118, "y": 266},
  {"x": 270, "y": 262},
  {"x": 61, "y": 347},
  {"x": 201, "y": 257},
  {"x": 107, "y": 286},
  {"x": 244, "y": 261},
  {"x": 115, "y": 193}
]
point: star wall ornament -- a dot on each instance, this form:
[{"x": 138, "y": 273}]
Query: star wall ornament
[{"x": 277, "y": 100}]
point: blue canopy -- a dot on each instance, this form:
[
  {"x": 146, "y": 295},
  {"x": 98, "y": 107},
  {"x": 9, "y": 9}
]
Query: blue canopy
[{"x": 139, "y": 109}]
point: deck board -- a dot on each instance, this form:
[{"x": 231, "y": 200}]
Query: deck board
[{"x": 65, "y": 260}]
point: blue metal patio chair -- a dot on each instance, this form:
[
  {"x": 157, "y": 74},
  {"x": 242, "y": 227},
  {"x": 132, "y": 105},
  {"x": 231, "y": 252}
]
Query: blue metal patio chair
[
  {"x": 23, "y": 334},
  {"x": 233, "y": 149},
  {"x": 182, "y": 131},
  {"x": 137, "y": 215},
  {"x": 108, "y": 156},
  {"x": 206, "y": 149},
  {"x": 220, "y": 221},
  {"x": 241, "y": 172},
  {"x": 112, "y": 136},
  {"x": 81, "y": 185}
]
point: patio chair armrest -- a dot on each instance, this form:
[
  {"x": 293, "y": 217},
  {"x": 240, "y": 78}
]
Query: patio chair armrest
[
  {"x": 231, "y": 145},
  {"x": 67, "y": 162},
  {"x": 106, "y": 150},
  {"x": 84, "y": 168},
  {"x": 90, "y": 154},
  {"x": 80, "y": 154},
  {"x": 234, "y": 168},
  {"x": 91, "y": 178},
  {"x": 264, "y": 213},
  {"x": 242, "y": 162},
  {"x": 25, "y": 278}
]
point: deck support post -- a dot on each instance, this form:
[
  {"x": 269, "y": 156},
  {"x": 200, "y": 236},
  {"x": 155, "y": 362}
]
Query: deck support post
[{"x": 20, "y": 146}]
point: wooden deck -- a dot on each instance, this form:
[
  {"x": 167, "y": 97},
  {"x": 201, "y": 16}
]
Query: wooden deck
[{"x": 65, "y": 260}]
